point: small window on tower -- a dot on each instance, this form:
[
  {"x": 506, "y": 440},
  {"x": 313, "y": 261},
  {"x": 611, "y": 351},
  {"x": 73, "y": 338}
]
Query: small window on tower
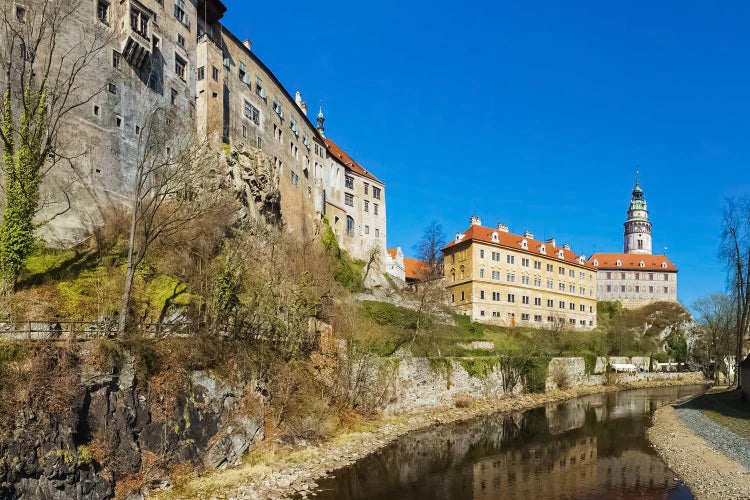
[{"x": 640, "y": 244}]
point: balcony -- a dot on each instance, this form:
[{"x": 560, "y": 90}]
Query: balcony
[{"x": 136, "y": 41}]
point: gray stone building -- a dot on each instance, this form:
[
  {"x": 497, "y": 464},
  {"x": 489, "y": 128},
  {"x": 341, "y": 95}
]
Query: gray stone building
[
  {"x": 176, "y": 56},
  {"x": 635, "y": 277}
]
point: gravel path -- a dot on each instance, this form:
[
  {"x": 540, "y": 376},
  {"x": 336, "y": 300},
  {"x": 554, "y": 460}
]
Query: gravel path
[
  {"x": 708, "y": 473},
  {"x": 719, "y": 437}
]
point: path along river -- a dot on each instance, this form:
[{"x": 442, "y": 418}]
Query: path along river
[{"x": 593, "y": 447}]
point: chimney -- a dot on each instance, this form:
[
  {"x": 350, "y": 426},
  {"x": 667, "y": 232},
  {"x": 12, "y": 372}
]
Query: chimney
[
  {"x": 303, "y": 107},
  {"x": 566, "y": 246},
  {"x": 528, "y": 234},
  {"x": 551, "y": 241},
  {"x": 300, "y": 103},
  {"x": 502, "y": 227},
  {"x": 248, "y": 44},
  {"x": 475, "y": 220}
]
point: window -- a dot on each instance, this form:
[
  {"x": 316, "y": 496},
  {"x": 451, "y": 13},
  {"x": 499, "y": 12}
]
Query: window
[
  {"x": 112, "y": 88},
  {"x": 524, "y": 280},
  {"x": 259, "y": 90},
  {"x": 174, "y": 96},
  {"x": 550, "y": 303},
  {"x": 481, "y": 273},
  {"x": 537, "y": 301},
  {"x": 511, "y": 297},
  {"x": 118, "y": 121},
  {"x": 349, "y": 225},
  {"x": 179, "y": 67},
  {"x": 622, "y": 276},
  {"x": 524, "y": 317},
  {"x": 561, "y": 270},
  {"x": 180, "y": 14},
  {"x": 377, "y": 232},
  {"x": 650, "y": 289},
  {"x": 376, "y": 192},
  {"x": 510, "y": 259},
  {"x": 637, "y": 289},
  {"x": 572, "y": 289},
  {"x": 453, "y": 298},
  {"x": 252, "y": 113},
  {"x": 561, "y": 287},
  {"x": 481, "y": 254},
  {"x": 201, "y": 73},
  {"x": 215, "y": 73},
  {"x": 651, "y": 277},
  {"x": 349, "y": 182},
  {"x": 524, "y": 299},
  {"x": 294, "y": 127},
  {"x": 550, "y": 284},
  {"x": 609, "y": 288},
  {"x": 367, "y": 229},
  {"x": 666, "y": 289},
  {"x": 550, "y": 268},
  {"x": 622, "y": 288},
  {"x": 561, "y": 304},
  {"x": 96, "y": 110},
  {"x": 609, "y": 276},
  {"x": 524, "y": 262},
  {"x": 572, "y": 273},
  {"x": 116, "y": 59},
  {"x": 572, "y": 306},
  {"x": 637, "y": 276},
  {"x": 244, "y": 131},
  {"x": 463, "y": 297},
  {"x": 102, "y": 11},
  {"x": 260, "y": 143},
  {"x": 367, "y": 188},
  {"x": 20, "y": 14},
  {"x": 511, "y": 278},
  {"x": 375, "y": 208},
  {"x": 139, "y": 21},
  {"x": 180, "y": 40},
  {"x": 349, "y": 199},
  {"x": 537, "y": 317},
  {"x": 640, "y": 244},
  {"x": 294, "y": 178},
  {"x": 537, "y": 265},
  {"x": 666, "y": 277},
  {"x": 367, "y": 206}
]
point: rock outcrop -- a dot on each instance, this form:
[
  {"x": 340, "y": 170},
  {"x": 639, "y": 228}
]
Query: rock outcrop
[
  {"x": 115, "y": 435},
  {"x": 255, "y": 182}
]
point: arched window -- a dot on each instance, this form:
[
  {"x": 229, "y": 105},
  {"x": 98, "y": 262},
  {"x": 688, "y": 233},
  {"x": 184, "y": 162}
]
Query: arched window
[{"x": 349, "y": 225}]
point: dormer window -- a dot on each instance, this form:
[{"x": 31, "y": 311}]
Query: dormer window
[
  {"x": 642, "y": 264},
  {"x": 596, "y": 262},
  {"x": 560, "y": 254},
  {"x": 459, "y": 237},
  {"x": 543, "y": 249},
  {"x": 618, "y": 263},
  {"x": 664, "y": 265},
  {"x": 494, "y": 237},
  {"x": 524, "y": 244}
]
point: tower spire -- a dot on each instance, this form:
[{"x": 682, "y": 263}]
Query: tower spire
[
  {"x": 321, "y": 122},
  {"x": 637, "y": 226}
]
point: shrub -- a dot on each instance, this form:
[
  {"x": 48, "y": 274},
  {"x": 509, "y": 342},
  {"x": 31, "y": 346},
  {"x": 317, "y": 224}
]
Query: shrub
[
  {"x": 560, "y": 377},
  {"x": 462, "y": 400}
]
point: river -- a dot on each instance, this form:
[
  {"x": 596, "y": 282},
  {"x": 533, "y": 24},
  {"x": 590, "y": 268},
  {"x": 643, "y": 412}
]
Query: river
[{"x": 593, "y": 447}]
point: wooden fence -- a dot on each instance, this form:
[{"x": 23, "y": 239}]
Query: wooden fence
[{"x": 86, "y": 330}]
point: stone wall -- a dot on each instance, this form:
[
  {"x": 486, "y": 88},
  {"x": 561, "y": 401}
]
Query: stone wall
[{"x": 423, "y": 382}]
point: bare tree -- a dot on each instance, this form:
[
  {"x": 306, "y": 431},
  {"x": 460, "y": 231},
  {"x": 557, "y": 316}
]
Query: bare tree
[
  {"x": 41, "y": 88},
  {"x": 430, "y": 288},
  {"x": 715, "y": 339},
  {"x": 169, "y": 192},
  {"x": 735, "y": 251},
  {"x": 374, "y": 261}
]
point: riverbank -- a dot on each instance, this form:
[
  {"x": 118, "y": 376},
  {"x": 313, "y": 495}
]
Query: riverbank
[
  {"x": 709, "y": 473},
  {"x": 274, "y": 471}
]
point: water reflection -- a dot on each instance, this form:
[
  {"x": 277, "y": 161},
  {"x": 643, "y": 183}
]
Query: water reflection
[{"x": 589, "y": 448}]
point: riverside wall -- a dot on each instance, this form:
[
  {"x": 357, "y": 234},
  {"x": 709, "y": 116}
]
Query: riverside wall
[{"x": 423, "y": 382}]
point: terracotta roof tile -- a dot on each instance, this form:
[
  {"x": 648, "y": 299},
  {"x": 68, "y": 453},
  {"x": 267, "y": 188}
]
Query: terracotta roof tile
[
  {"x": 392, "y": 252},
  {"x": 514, "y": 241},
  {"x": 631, "y": 261},
  {"x": 348, "y": 161},
  {"x": 414, "y": 268}
]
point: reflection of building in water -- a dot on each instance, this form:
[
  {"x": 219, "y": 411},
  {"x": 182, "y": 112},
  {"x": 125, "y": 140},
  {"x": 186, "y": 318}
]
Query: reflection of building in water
[
  {"x": 634, "y": 469},
  {"x": 557, "y": 468}
]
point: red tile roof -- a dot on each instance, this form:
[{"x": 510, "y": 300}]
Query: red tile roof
[
  {"x": 414, "y": 268},
  {"x": 513, "y": 241},
  {"x": 348, "y": 161},
  {"x": 631, "y": 261},
  {"x": 392, "y": 252}
]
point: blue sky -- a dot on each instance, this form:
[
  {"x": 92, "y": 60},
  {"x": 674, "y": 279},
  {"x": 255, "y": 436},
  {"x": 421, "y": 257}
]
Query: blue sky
[{"x": 533, "y": 113}]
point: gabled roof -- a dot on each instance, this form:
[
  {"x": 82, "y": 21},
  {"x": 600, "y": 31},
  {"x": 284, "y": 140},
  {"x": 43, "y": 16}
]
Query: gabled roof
[
  {"x": 348, "y": 161},
  {"x": 631, "y": 262},
  {"x": 515, "y": 242},
  {"x": 414, "y": 268}
]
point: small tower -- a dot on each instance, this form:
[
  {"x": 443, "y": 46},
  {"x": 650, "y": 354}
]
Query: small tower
[
  {"x": 321, "y": 122},
  {"x": 638, "y": 227}
]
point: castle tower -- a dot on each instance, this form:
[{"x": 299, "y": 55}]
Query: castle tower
[
  {"x": 638, "y": 227},
  {"x": 321, "y": 122}
]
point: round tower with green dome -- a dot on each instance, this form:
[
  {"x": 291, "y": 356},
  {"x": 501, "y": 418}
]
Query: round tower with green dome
[{"x": 638, "y": 227}]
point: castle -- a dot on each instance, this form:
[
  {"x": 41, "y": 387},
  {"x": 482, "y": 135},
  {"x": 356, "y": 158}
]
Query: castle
[
  {"x": 176, "y": 56},
  {"x": 635, "y": 277}
]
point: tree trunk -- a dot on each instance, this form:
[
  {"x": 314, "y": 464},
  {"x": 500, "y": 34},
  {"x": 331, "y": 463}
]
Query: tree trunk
[{"x": 129, "y": 273}]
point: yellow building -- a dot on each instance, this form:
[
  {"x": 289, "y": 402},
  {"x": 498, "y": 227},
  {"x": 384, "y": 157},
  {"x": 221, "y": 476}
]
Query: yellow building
[{"x": 498, "y": 277}]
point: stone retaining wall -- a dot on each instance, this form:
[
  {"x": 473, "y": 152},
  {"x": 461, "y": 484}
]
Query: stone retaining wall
[{"x": 423, "y": 382}]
